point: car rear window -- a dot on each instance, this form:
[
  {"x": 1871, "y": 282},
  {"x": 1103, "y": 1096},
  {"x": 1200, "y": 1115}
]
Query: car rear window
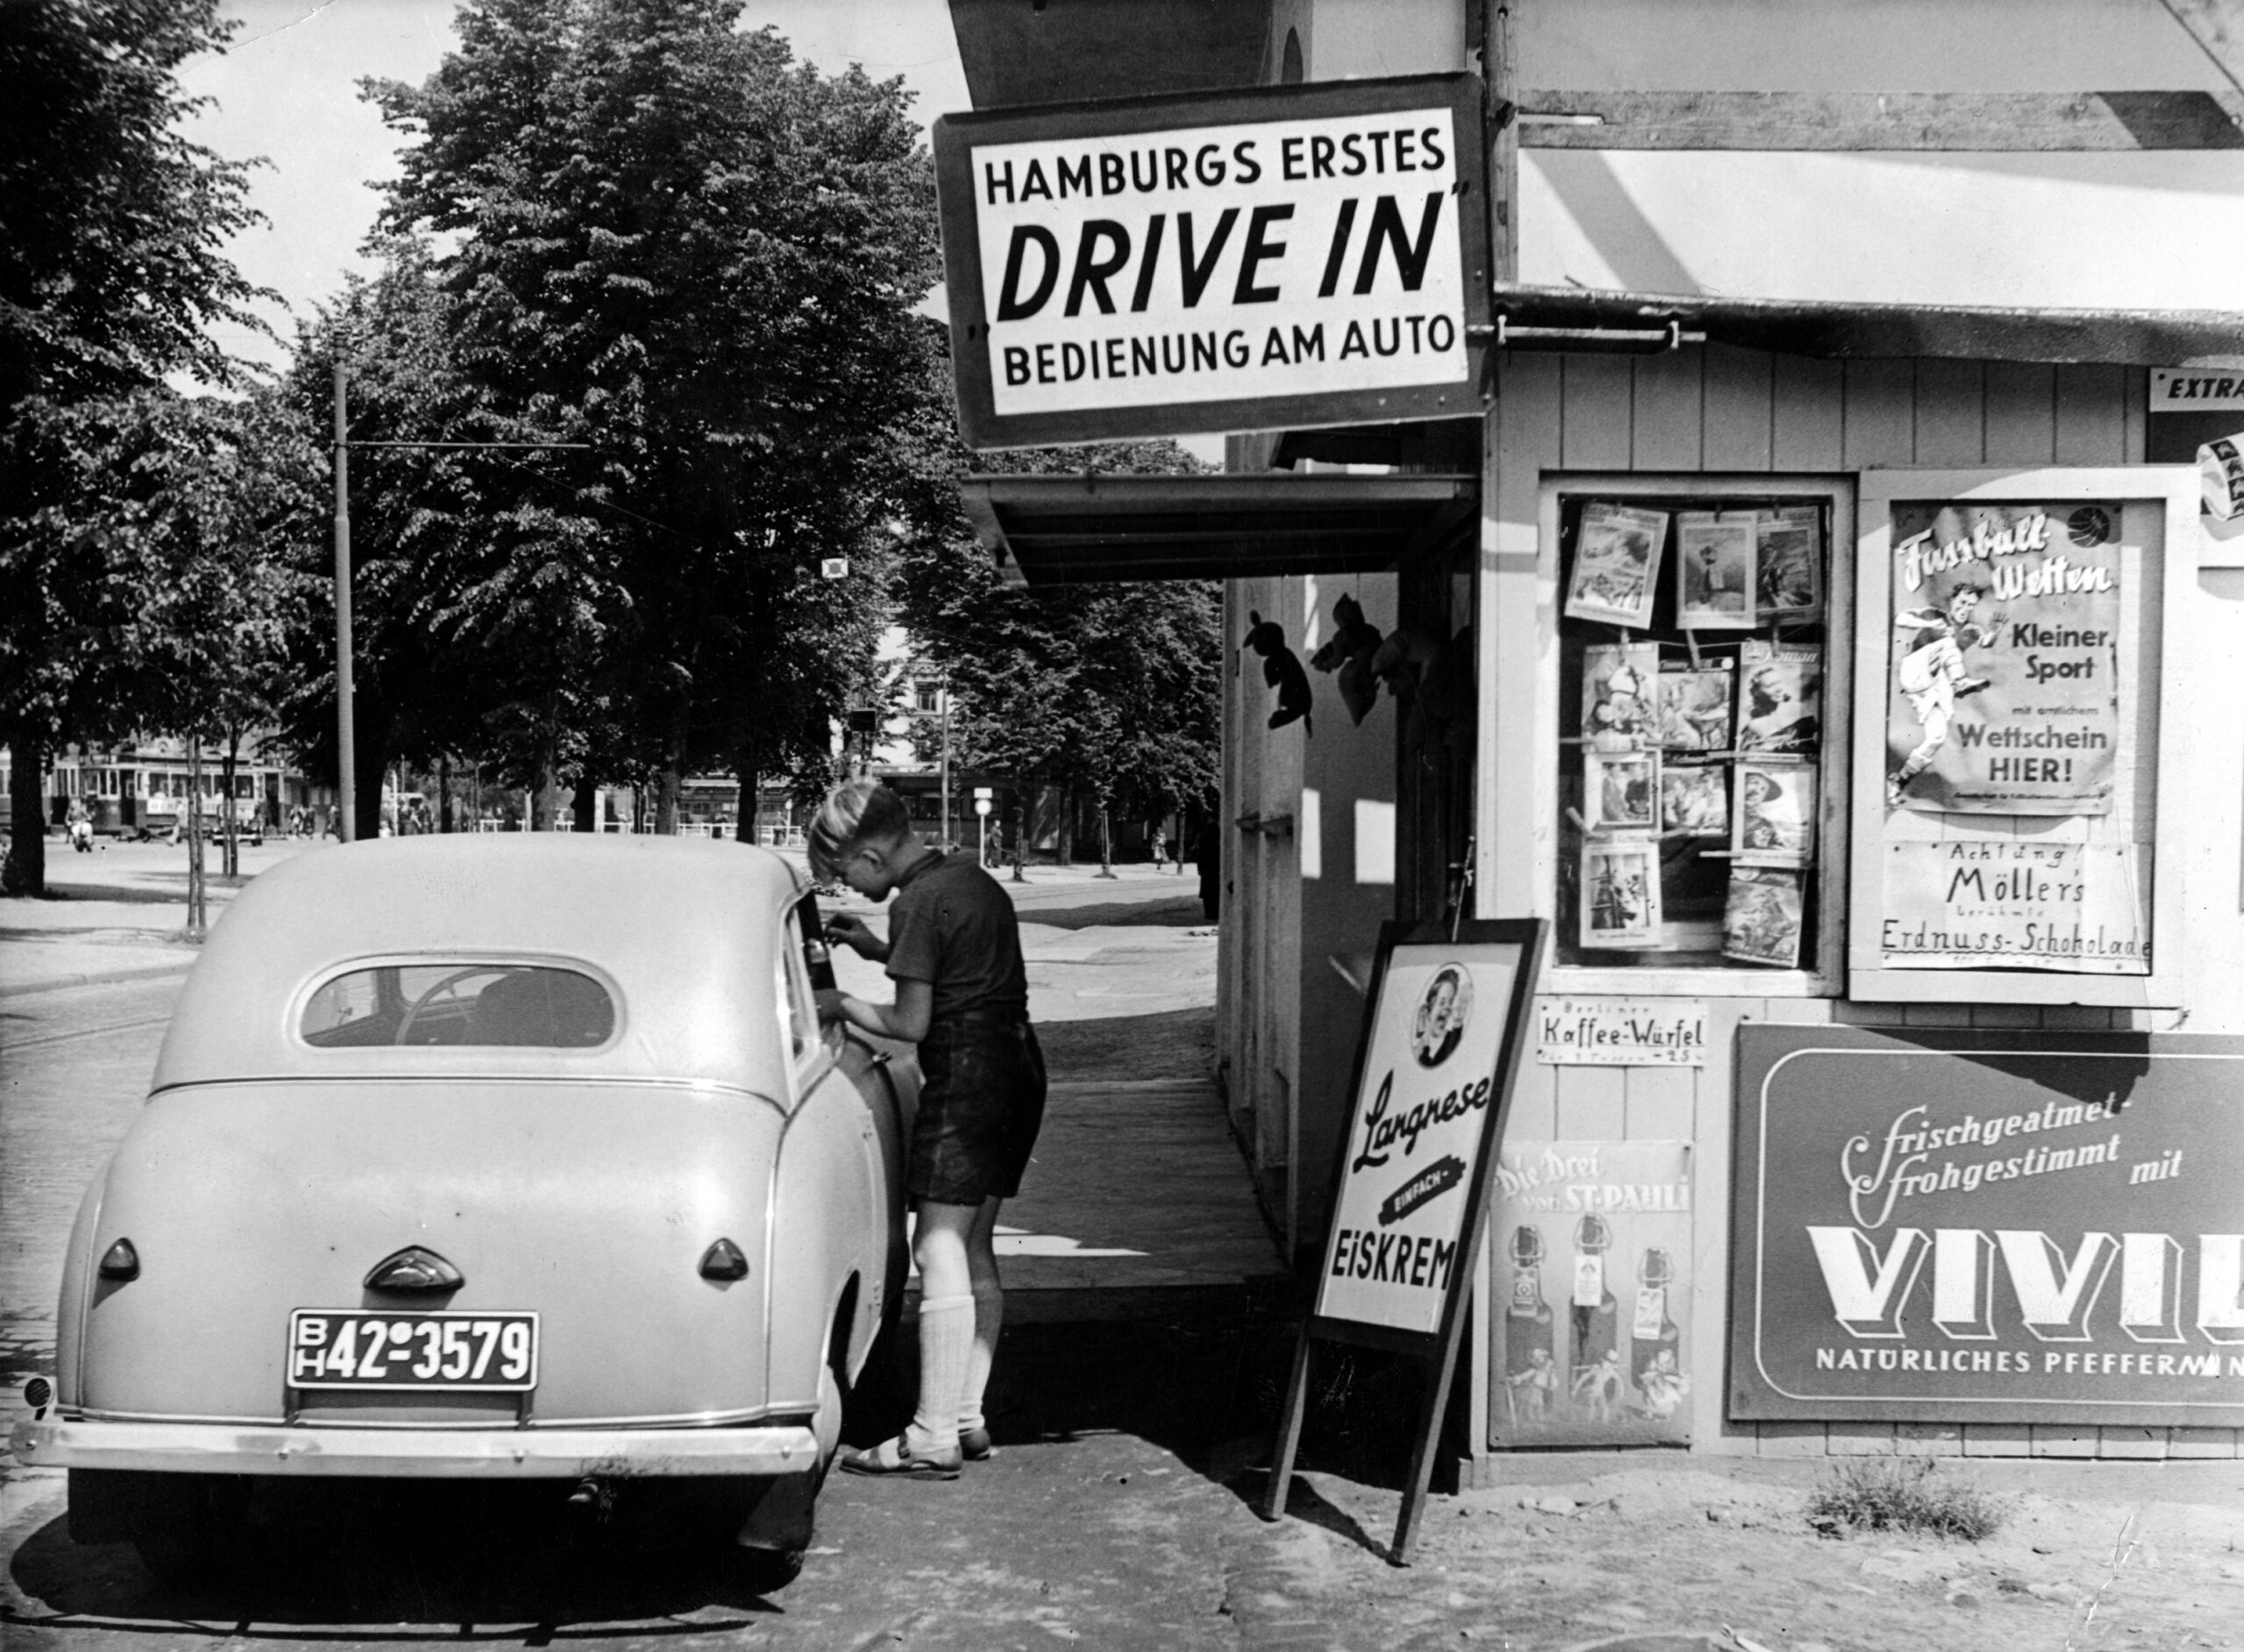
[{"x": 534, "y": 1005}]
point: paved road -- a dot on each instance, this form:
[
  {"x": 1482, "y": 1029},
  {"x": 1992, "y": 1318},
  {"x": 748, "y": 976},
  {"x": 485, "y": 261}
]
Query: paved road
[
  {"x": 74, "y": 1066},
  {"x": 1100, "y": 1523}
]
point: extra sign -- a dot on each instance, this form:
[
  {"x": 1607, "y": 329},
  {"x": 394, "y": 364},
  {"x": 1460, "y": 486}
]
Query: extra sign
[{"x": 1282, "y": 258}]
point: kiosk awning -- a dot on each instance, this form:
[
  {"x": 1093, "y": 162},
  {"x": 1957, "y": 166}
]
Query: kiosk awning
[
  {"x": 1800, "y": 327},
  {"x": 1082, "y": 529}
]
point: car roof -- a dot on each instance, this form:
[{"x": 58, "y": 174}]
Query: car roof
[{"x": 684, "y": 930}]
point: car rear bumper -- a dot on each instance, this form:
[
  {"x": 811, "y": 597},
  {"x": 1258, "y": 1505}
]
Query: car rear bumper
[{"x": 540, "y": 1453}]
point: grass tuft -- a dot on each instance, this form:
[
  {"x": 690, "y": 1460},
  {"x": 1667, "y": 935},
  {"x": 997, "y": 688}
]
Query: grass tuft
[{"x": 1902, "y": 1494}]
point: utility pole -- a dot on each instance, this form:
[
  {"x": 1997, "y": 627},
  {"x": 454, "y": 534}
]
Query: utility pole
[{"x": 346, "y": 748}]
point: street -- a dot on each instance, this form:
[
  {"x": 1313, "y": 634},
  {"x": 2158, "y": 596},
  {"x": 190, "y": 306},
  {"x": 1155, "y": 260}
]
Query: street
[{"x": 1120, "y": 1509}]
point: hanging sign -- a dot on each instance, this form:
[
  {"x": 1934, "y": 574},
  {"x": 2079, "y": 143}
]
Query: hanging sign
[
  {"x": 1988, "y": 1227},
  {"x": 1281, "y": 257},
  {"x": 2004, "y": 681}
]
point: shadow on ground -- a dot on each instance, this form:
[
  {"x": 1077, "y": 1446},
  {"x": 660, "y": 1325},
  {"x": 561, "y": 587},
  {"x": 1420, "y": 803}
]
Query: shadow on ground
[
  {"x": 1180, "y": 911},
  {"x": 412, "y": 1556},
  {"x": 463, "y": 1560},
  {"x": 1173, "y": 1044}
]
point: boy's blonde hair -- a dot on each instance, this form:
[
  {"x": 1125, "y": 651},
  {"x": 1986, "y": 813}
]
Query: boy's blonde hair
[{"x": 855, "y": 813}]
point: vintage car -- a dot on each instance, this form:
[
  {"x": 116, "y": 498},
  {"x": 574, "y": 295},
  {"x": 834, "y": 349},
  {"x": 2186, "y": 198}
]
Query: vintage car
[{"x": 482, "y": 1158}]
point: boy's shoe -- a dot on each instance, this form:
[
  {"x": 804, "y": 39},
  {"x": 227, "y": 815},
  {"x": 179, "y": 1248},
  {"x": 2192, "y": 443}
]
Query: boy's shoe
[
  {"x": 974, "y": 1445},
  {"x": 896, "y": 1457}
]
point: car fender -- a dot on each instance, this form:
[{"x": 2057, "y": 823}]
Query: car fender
[
  {"x": 78, "y": 1265},
  {"x": 826, "y": 1229}
]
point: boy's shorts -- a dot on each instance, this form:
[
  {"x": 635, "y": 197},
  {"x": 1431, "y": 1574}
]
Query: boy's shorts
[{"x": 980, "y": 1105}]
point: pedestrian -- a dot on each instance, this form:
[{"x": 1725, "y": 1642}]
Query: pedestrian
[
  {"x": 962, "y": 996},
  {"x": 1161, "y": 847}
]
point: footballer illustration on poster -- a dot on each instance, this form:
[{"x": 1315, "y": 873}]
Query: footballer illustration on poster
[{"x": 2004, "y": 695}]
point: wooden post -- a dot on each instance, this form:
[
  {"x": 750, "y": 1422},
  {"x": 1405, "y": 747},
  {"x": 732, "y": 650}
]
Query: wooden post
[{"x": 1503, "y": 77}]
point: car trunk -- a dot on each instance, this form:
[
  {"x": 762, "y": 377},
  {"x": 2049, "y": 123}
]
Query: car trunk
[{"x": 589, "y": 1204}]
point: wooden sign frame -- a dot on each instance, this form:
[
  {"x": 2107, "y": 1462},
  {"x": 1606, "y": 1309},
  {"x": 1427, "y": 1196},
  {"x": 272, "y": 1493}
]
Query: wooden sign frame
[{"x": 1438, "y": 1347}]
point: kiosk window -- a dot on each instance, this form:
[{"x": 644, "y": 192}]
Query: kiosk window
[{"x": 1694, "y": 696}]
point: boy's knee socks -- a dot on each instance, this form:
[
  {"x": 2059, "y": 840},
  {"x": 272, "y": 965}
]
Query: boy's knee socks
[
  {"x": 946, "y": 1350},
  {"x": 989, "y": 1319}
]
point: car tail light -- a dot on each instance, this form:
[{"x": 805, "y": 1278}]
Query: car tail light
[
  {"x": 414, "y": 1269},
  {"x": 121, "y": 1261},
  {"x": 723, "y": 1260}
]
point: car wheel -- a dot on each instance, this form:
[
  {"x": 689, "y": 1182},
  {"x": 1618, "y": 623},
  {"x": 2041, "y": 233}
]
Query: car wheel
[
  {"x": 765, "y": 1572},
  {"x": 189, "y": 1527}
]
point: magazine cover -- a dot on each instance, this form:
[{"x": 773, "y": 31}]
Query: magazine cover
[
  {"x": 1714, "y": 570},
  {"x": 1788, "y": 550},
  {"x": 1620, "y": 789},
  {"x": 1760, "y": 920},
  {"x": 1780, "y": 696},
  {"x": 1619, "y": 694},
  {"x": 1694, "y": 800},
  {"x": 1620, "y": 892},
  {"x": 1695, "y": 704},
  {"x": 1774, "y": 822},
  {"x": 1616, "y": 564}
]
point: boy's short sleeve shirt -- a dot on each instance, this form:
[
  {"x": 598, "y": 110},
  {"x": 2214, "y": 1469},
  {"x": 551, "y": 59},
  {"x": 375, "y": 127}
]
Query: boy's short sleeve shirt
[{"x": 951, "y": 925}]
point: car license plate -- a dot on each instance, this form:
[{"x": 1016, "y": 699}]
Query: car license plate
[{"x": 345, "y": 1347}]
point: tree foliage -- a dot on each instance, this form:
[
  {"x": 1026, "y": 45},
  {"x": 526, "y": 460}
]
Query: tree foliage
[
  {"x": 111, "y": 268},
  {"x": 676, "y": 246},
  {"x": 1109, "y": 691}
]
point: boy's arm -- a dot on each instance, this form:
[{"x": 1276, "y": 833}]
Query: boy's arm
[{"x": 906, "y": 1019}]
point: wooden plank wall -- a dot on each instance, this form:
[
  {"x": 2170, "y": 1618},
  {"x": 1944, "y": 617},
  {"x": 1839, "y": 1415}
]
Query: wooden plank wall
[{"x": 1723, "y": 410}]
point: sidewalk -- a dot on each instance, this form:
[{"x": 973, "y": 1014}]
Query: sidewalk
[
  {"x": 120, "y": 913},
  {"x": 117, "y": 914}
]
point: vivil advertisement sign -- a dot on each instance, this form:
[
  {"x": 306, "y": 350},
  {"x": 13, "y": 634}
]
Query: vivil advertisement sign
[{"x": 1988, "y": 1227}]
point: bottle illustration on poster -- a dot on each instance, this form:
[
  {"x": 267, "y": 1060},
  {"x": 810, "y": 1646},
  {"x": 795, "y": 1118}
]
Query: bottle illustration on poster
[
  {"x": 1605, "y": 1360},
  {"x": 1595, "y": 1314},
  {"x": 1531, "y": 1368}
]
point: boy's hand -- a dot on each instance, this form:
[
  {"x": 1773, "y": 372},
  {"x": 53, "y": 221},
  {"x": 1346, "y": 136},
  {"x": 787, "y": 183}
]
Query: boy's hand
[
  {"x": 829, "y": 1006},
  {"x": 847, "y": 929}
]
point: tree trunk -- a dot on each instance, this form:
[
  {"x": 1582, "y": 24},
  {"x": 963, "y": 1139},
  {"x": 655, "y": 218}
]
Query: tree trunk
[
  {"x": 26, "y": 857},
  {"x": 198, "y": 916},
  {"x": 230, "y": 862},
  {"x": 371, "y": 752},
  {"x": 584, "y": 805},
  {"x": 1105, "y": 840},
  {"x": 444, "y": 793},
  {"x": 1065, "y": 844},
  {"x": 747, "y": 768}
]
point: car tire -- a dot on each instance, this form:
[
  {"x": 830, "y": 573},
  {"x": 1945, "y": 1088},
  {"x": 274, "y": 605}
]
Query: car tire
[
  {"x": 187, "y": 1528},
  {"x": 765, "y": 1572}
]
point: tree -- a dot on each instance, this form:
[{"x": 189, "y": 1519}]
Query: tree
[
  {"x": 110, "y": 269},
  {"x": 1110, "y": 691},
  {"x": 196, "y": 508},
  {"x": 679, "y": 247}
]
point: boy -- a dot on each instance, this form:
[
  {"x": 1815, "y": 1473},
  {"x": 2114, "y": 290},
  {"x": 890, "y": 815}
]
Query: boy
[{"x": 962, "y": 996}]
